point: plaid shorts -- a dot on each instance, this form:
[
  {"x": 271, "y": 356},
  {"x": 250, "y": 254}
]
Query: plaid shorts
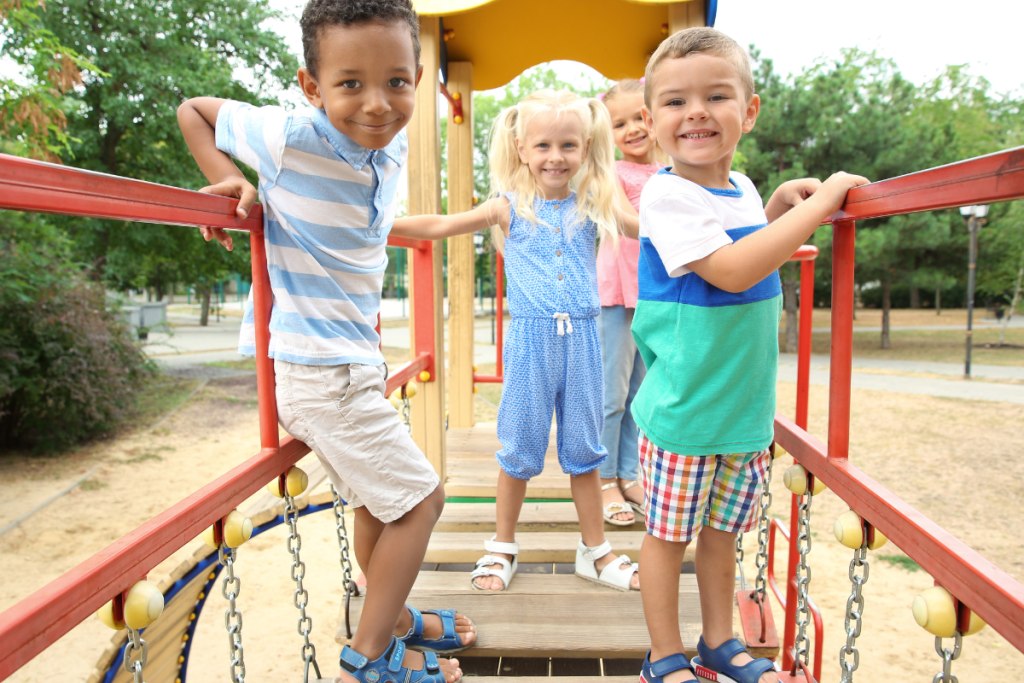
[{"x": 685, "y": 492}]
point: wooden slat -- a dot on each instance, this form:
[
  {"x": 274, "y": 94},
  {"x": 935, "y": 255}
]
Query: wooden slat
[
  {"x": 552, "y": 616},
  {"x": 542, "y": 546},
  {"x": 533, "y": 517}
]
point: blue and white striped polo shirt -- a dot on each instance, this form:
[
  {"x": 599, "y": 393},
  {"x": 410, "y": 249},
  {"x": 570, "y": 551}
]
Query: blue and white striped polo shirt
[{"x": 328, "y": 206}]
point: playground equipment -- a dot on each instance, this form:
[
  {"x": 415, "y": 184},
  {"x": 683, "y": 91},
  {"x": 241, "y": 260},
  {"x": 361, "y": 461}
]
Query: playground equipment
[{"x": 545, "y": 615}]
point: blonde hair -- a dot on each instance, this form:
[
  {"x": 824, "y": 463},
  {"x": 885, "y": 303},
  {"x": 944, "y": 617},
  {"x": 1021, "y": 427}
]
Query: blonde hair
[
  {"x": 595, "y": 181},
  {"x": 623, "y": 87},
  {"x": 700, "y": 40}
]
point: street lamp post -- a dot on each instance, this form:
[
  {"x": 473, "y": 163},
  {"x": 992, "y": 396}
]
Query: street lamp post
[{"x": 975, "y": 216}]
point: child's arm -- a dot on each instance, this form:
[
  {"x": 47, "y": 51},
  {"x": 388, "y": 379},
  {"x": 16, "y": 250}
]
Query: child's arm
[
  {"x": 739, "y": 266},
  {"x": 629, "y": 221},
  {"x": 789, "y": 194},
  {"x": 435, "y": 227},
  {"x": 197, "y": 118}
]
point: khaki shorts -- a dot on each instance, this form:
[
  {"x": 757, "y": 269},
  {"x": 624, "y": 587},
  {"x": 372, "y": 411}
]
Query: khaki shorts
[{"x": 341, "y": 413}]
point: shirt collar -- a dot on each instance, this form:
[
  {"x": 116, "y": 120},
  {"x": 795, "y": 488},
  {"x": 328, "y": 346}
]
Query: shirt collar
[{"x": 355, "y": 154}]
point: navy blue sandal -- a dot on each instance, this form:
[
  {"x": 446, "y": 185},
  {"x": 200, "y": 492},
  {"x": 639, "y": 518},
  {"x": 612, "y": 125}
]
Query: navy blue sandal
[
  {"x": 652, "y": 672},
  {"x": 388, "y": 667},
  {"x": 716, "y": 665},
  {"x": 449, "y": 643}
]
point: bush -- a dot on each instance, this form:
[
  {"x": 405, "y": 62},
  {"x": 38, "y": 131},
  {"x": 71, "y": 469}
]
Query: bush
[{"x": 68, "y": 367}]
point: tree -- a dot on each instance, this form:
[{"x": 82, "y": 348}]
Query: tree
[{"x": 150, "y": 56}]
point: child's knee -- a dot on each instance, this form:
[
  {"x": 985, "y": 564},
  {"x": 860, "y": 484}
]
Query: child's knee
[{"x": 522, "y": 468}]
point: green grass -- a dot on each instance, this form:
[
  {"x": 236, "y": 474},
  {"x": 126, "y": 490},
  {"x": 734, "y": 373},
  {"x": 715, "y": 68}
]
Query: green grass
[
  {"x": 943, "y": 346},
  {"x": 161, "y": 394},
  {"x": 243, "y": 364},
  {"x": 901, "y": 561}
]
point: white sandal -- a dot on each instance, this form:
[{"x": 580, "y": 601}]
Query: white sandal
[
  {"x": 485, "y": 565},
  {"x": 615, "y": 507},
  {"x": 637, "y": 507},
  {"x": 614, "y": 575}
]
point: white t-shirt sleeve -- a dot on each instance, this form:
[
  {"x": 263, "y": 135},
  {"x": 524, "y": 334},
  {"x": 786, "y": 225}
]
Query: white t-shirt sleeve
[
  {"x": 256, "y": 136},
  {"x": 683, "y": 228}
]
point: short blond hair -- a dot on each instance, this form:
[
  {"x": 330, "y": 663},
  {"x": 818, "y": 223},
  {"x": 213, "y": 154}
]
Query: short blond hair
[{"x": 700, "y": 40}]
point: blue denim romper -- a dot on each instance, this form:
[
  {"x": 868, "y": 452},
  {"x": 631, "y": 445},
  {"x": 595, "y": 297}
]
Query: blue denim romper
[{"x": 552, "y": 353}]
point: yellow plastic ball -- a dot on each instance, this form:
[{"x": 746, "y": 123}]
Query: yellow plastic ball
[
  {"x": 457, "y": 119},
  {"x": 424, "y": 376},
  {"x": 297, "y": 481},
  {"x": 795, "y": 479},
  {"x": 143, "y": 605},
  {"x": 476, "y": 390},
  {"x": 780, "y": 451},
  {"x": 411, "y": 389},
  {"x": 934, "y": 612},
  {"x": 457, "y": 96},
  {"x": 396, "y": 401},
  {"x": 106, "y": 615},
  {"x": 238, "y": 528},
  {"x": 850, "y": 532}
]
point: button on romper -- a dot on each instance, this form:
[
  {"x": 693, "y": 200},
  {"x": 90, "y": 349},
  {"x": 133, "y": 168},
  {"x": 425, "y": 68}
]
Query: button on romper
[{"x": 552, "y": 353}]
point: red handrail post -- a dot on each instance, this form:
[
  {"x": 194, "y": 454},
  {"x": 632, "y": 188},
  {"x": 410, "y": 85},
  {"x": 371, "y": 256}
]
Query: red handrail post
[
  {"x": 262, "y": 305},
  {"x": 803, "y": 358},
  {"x": 841, "y": 365},
  {"x": 423, "y": 304}
]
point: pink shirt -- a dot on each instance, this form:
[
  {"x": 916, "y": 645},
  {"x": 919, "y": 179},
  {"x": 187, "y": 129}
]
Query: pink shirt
[{"x": 616, "y": 271}]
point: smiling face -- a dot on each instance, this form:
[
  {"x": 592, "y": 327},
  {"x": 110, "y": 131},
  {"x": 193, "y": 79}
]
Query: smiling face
[
  {"x": 631, "y": 134},
  {"x": 366, "y": 80},
  {"x": 553, "y": 148},
  {"x": 699, "y": 110}
]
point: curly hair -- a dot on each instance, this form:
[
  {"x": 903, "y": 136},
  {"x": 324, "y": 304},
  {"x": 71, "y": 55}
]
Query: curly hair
[{"x": 320, "y": 14}]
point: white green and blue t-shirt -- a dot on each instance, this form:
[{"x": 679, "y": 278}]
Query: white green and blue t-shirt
[
  {"x": 328, "y": 206},
  {"x": 711, "y": 355}
]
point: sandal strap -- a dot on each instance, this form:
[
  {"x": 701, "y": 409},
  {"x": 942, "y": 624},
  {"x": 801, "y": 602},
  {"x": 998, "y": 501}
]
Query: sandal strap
[
  {"x": 416, "y": 630},
  {"x": 493, "y": 546},
  {"x": 596, "y": 552},
  {"x": 489, "y": 561},
  {"x": 354, "y": 660},
  {"x": 617, "y": 507},
  {"x": 609, "y": 486},
  {"x": 721, "y": 656},
  {"x": 447, "y": 617},
  {"x": 667, "y": 665},
  {"x": 397, "y": 657},
  {"x": 629, "y": 485},
  {"x": 430, "y": 663}
]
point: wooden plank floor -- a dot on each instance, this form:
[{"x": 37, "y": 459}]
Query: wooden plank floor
[
  {"x": 543, "y": 546},
  {"x": 473, "y": 470},
  {"x": 547, "y": 516}
]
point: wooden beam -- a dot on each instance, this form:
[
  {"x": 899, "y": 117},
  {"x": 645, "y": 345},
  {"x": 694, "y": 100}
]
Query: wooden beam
[
  {"x": 461, "y": 252},
  {"x": 424, "y": 169},
  {"x": 685, "y": 15}
]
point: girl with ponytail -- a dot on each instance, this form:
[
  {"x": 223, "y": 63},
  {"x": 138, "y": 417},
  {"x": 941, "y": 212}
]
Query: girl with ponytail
[{"x": 556, "y": 193}]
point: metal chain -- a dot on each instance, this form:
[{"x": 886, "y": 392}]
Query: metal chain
[
  {"x": 801, "y": 645},
  {"x": 351, "y": 589},
  {"x": 761, "y": 559},
  {"x": 405, "y": 413},
  {"x": 739, "y": 562},
  {"x": 301, "y": 596},
  {"x": 135, "y": 652},
  {"x": 854, "y": 612},
  {"x": 232, "y": 617},
  {"x": 947, "y": 658}
]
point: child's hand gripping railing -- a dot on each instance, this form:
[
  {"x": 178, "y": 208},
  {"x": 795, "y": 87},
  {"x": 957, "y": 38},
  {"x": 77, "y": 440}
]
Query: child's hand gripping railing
[
  {"x": 966, "y": 578},
  {"x": 30, "y": 626}
]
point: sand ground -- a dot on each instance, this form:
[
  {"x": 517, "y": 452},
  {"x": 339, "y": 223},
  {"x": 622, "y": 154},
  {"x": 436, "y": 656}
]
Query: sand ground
[{"x": 956, "y": 461}]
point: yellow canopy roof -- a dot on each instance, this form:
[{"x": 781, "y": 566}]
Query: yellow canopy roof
[{"x": 502, "y": 38}]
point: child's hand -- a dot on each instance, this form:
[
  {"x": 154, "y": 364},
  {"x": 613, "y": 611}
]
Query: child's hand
[
  {"x": 789, "y": 194},
  {"x": 239, "y": 188},
  {"x": 832, "y": 193}
]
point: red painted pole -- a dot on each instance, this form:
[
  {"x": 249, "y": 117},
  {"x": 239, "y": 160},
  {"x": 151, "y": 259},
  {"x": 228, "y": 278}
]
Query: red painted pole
[
  {"x": 803, "y": 357},
  {"x": 423, "y": 302},
  {"x": 842, "y": 340},
  {"x": 263, "y": 304},
  {"x": 499, "y": 332}
]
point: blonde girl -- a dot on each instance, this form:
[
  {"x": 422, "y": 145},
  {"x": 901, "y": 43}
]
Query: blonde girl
[
  {"x": 617, "y": 285},
  {"x": 552, "y": 169}
]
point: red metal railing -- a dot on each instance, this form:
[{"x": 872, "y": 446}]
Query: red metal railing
[
  {"x": 33, "y": 624},
  {"x": 984, "y": 588}
]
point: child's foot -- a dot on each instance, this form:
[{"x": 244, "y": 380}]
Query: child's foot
[
  {"x": 414, "y": 661},
  {"x": 433, "y": 629},
  {"x": 744, "y": 658},
  {"x": 610, "y": 493},
  {"x": 602, "y": 562},
  {"x": 632, "y": 491},
  {"x": 492, "y": 583},
  {"x": 677, "y": 676}
]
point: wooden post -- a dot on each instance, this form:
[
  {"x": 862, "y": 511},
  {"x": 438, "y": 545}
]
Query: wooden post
[
  {"x": 424, "y": 169},
  {"x": 461, "y": 251},
  {"x": 685, "y": 15}
]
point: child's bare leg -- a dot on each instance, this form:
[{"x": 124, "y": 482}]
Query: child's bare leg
[
  {"x": 660, "y": 563},
  {"x": 586, "y": 494},
  {"x": 716, "y": 578},
  {"x": 509, "y": 503},
  {"x": 391, "y": 568},
  {"x": 367, "y": 532}
]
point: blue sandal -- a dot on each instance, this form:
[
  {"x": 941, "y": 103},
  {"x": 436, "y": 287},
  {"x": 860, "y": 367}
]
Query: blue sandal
[
  {"x": 652, "y": 672},
  {"x": 716, "y": 665},
  {"x": 388, "y": 667},
  {"x": 449, "y": 643}
]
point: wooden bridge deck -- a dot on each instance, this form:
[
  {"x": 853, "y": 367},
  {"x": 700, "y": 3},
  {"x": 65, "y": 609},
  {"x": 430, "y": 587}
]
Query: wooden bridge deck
[{"x": 473, "y": 470}]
